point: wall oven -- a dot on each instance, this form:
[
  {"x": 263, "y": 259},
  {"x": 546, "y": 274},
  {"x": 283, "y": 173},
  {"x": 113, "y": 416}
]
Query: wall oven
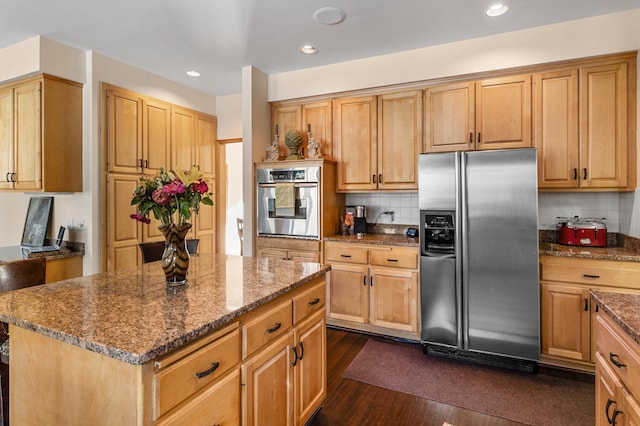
[{"x": 288, "y": 201}]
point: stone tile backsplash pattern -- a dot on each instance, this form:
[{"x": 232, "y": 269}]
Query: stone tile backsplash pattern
[{"x": 618, "y": 208}]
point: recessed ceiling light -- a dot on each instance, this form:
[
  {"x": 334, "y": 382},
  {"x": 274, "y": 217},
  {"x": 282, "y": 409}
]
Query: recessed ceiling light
[
  {"x": 329, "y": 15},
  {"x": 193, "y": 73},
  {"x": 308, "y": 49},
  {"x": 496, "y": 10}
]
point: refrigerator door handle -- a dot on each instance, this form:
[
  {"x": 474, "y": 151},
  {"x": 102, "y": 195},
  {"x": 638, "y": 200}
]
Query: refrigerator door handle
[{"x": 460, "y": 244}]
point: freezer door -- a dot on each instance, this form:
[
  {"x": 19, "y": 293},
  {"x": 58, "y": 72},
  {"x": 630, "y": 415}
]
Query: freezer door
[
  {"x": 437, "y": 181},
  {"x": 500, "y": 253},
  {"x": 439, "y": 306}
]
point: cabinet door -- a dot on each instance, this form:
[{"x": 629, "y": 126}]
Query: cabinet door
[
  {"x": 450, "y": 117},
  {"x": 268, "y": 391},
  {"x": 6, "y": 137},
  {"x": 311, "y": 368},
  {"x": 219, "y": 404},
  {"x": 124, "y": 233},
  {"x": 285, "y": 118},
  {"x": 27, "y": 128},
  {"x": 206, "y": 229},
  {"x": 319, "y": 116},
  {"x": 566, "y": 321},
  {"x": 349, "y": 293},
  {"x": 399, "y": 139},
  {"x": 603, "y": 126},
  {"x": 206, "y": 146},
  {"x": 503, "y": 113},
  {"x": 355, "y": 138},
  {"x": 182, "y": 138},
  {"x": 555, "y": 128},
  {"x": 156, "y": 136},
  {"x": 608, "y": 387},
  {"x": 394, "y": 299},
  {"x": 124, "y": 131}
]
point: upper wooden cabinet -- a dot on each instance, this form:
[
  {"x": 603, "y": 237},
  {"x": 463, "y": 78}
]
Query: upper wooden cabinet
[
  {"x": 581, "y": 127},
  {"x": 314, "y": 115},
  {"x": 488, "y": 114},
  {"x": 377, "y": 141},
  {"x": 41, "y": 135}
]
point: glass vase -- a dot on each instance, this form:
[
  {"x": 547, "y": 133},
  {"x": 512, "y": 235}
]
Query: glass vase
[{"x": 175, "y": 258}]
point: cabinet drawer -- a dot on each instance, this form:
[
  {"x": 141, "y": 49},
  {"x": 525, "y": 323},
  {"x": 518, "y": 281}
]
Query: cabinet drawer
[
  {"x": 219, "y": 404},
  {"x": 591, "y": 272},
  {"x": 186, "y": 376},
  {"x": 309, "y": 302},
  {"x": 397, "y": 258},
  {"x": 266, "y": 327},
  {"x": 345, "y": 254},
  {"x": 616, "y": 347}
]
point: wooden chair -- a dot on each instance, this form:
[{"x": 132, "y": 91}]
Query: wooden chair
[
  {"x": 152, "y": 251},
  {"x": 15, "y": 275},
  {"x": 240, "y": 226}
]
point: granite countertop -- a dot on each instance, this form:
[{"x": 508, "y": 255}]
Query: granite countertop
[
  {"x": 623, "y": 308},
  {"x": 379, "y": 239},
  {"x": 626, "y": 254},
  {"x": 67, "y": 250},
  {"x": 131, "y": 315}
]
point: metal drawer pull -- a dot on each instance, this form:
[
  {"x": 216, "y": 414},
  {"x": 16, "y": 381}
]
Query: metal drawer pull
[
  {"x": 586, "y": 305},
  {"x": 214, "y": 367},
  {"x": 392, "y": 260},
  {"x": 364, "y": 279},
  {"x": 615, "y": 360},
  {"x": 275, "y": 328},
  {"x": 301, "y": 351},
  {"x": 606, "y": 409},
  {"x": 590, "y": 276},
  {"x": 315, "y": 301},
  {"x": 345, "y": 255},
  {"x": 615, "y": 414},
  {"x": 295, "y": 356}
]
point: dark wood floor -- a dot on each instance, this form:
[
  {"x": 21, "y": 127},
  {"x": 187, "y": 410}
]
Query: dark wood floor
[{"x": 353, "y": 403}]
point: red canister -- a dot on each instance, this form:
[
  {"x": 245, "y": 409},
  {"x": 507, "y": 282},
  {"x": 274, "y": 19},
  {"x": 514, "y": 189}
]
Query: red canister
[{"x": 587, "y": 232}]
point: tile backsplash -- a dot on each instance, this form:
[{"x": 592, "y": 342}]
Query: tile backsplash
[{"x": 620, "y": 209}]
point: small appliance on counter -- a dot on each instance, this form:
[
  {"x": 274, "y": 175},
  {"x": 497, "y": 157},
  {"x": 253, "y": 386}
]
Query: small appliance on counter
[
  {"x": 360, "y": 221},
  {"x": 577, "y": 231}
]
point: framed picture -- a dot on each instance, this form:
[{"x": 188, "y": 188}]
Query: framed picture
[{"x": 37, "y": 221}]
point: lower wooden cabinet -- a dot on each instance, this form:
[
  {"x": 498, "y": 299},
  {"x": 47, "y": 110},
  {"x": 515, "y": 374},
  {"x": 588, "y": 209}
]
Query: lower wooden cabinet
[
  {"x": 373, "y": 288},
  {"x": 284, "y": 380},
  {"x": 617, "y": 375},
  {"x": 289, "y": 249},
  {"x": 567, "y": 312},
  {"x": 62, "y": 269}
]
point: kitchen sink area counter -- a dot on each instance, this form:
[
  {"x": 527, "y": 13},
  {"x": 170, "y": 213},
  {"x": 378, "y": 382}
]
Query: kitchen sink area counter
[{"x": 127, "y": 349}]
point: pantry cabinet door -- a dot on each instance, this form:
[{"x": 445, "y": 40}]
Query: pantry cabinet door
[
  {"x": 124, "y": 131},
  {"x": 156, "y": 136},
  {"x": 124, "y": 233},
  {"x": 503, "y": 112},
  {"x": 182, "y": 139}
]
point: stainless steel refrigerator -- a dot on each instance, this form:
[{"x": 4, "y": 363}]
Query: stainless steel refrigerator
[{"x": 479, "y": 286}]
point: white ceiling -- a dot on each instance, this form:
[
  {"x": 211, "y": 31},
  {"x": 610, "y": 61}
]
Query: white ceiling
[{"x": 219, "y": 37}]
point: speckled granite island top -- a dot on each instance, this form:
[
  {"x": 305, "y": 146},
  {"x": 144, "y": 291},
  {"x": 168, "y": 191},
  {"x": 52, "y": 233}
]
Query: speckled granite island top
[
  {"x": 623, "y": 308},
  {"x": 379, "y": 239},
  {"x": 131, "y": 315}
]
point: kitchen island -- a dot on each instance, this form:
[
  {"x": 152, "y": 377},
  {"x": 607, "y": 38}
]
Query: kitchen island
[{"x": 123, "y": 348}]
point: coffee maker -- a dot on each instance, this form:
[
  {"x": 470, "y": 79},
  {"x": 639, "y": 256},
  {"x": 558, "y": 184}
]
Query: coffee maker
[{"x": 360, "y": 221}]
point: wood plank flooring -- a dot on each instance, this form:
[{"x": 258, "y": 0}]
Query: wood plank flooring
[{"x": 353, "y": 403}]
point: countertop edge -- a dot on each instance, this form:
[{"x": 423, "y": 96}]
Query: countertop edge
[
  {"x": 141, "y": 358},
  {"x": 617, "y": 317}
]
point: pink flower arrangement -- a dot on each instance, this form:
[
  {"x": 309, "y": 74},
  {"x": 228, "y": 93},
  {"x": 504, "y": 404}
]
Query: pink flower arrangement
[{"x": 172, "y": 196}]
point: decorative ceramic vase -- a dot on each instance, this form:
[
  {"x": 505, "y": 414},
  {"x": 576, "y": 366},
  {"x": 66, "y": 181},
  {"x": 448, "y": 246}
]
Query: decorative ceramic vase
[
  {"x": 293, "y": 140},
  {"x": 175, "y": 258}
]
